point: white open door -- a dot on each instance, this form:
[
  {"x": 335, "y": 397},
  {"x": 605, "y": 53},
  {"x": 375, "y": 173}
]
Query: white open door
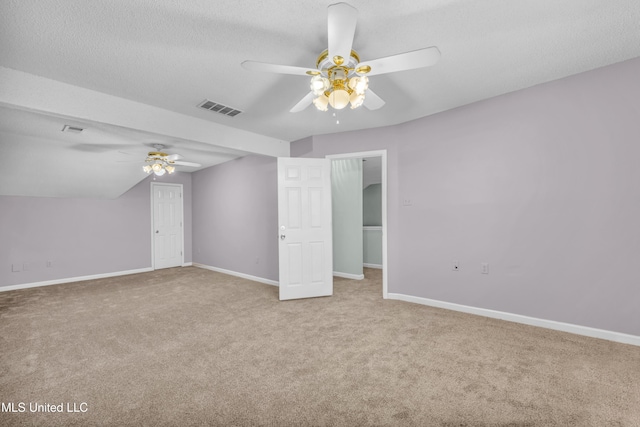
[
  {"x": 305, "y": 231},
  {"x": 166, "y": 226}
]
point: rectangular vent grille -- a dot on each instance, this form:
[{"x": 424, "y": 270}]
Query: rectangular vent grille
[
  {"x": 74, "y": 129},
  {"x": 219, "y": 108}
]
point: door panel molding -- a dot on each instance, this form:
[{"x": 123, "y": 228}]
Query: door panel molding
[{"x": 304, "y": 228}]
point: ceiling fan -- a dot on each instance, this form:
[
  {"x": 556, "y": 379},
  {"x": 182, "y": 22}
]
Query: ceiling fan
[
  {"x": 160, "y": 163},
  {"x": 339, "y": 78}
]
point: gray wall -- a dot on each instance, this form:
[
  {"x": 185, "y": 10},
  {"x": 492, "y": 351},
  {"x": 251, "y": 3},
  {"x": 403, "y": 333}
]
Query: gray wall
[
  {"x": 372, "y": 246},
  {"x": 346, "y": 205},
  {"x": 372, "y": 216},
  {"x": 542, "y": 184},
  {"x": 372, "y": 205},
  {"x": 235, "y": 216},
  {"x": 82, "y": 237}
]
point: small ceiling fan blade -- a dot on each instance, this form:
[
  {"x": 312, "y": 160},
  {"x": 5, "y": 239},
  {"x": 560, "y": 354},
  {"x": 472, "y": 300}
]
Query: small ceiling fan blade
[
  {"x": 403, "y": 61},
  {"x": 190, "y": 164},
  {"x": 303, "y": 103},
  {"x": 372, "y": 101},
  {"x": 342, "y": 19},
  {"x": 173, "y": 157},
  {"x": 264, "y": 67}
]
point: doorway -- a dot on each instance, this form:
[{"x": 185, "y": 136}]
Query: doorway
[
  {"x": 382, "y": 154},
  {"x": 167, "y": 237}
]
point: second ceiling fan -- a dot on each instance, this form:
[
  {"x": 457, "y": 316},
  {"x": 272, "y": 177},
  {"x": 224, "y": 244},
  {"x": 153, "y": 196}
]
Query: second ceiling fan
[{"x": 339, "y": 78}]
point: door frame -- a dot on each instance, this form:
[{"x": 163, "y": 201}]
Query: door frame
[
  {"x": 383, "y": 155},
  {"x": 153, "y": 249}
]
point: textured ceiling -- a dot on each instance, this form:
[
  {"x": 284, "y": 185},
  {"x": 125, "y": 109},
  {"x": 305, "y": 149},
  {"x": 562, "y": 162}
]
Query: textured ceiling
[{"x": 173, "y": 55}]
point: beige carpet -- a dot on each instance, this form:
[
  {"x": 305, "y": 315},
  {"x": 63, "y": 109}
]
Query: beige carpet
[{"x": 188, "y": 346}]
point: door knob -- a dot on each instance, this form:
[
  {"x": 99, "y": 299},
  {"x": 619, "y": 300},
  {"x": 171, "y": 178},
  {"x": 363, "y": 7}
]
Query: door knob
[
  {"x": 282, "y": 236},
  {"x": 157, "y": 231}
]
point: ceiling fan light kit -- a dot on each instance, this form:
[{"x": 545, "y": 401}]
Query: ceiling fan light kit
[
  {"x": 337, "y": 85},
  {"x": 160, "y": 163},
  {"x": 340, "y": 78}
]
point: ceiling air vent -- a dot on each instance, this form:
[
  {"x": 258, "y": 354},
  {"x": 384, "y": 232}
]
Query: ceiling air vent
[
  {"x": 219, "y": 108},
  {"x": 72, "y": 129}
]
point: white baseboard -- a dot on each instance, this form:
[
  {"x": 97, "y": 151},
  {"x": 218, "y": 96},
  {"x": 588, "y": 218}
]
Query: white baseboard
[
  {"x": 235, "y": 273},
  {"x": 378, "y": 266},
  {"x": 349, "y": 276},
  {"x": 187, "y": 264},
  {"x": 73, "y": 279},
  {"x": 532, "y": 321}
]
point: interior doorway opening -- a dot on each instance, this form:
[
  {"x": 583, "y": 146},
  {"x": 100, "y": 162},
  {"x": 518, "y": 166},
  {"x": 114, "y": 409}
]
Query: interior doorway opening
[{"x": 380, "y": 158}]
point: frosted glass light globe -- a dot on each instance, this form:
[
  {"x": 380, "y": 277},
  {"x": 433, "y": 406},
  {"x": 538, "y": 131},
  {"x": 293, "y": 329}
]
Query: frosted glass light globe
[
  {"x": 318, "y": 85},
  {"x": 339, "y": 99},
  {"x": 359, "y": 84},
  {"x": 321, "y": 103},
  {"x": 356, "y": 100}
]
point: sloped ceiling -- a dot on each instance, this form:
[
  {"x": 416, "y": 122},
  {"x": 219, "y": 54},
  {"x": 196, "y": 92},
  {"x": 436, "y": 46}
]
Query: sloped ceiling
[
  {"x": 161, "y": 58},
  {"x": 107, "y": 158}
]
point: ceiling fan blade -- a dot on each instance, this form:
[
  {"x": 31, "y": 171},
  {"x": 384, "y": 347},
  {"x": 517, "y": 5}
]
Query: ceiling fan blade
[
  {"x": 303, "y": 103},
  {"x": 173, "y": 157},
  {"x": 275, "y": 68},
  {"x": 403, "y": 61},
  {"x": 372, "y": 101},
  {"x": 190, "y": 164},
  {"x": 342, "y": 19}
]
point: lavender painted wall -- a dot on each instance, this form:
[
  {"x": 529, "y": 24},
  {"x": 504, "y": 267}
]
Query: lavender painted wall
[
  {"x": 82, "y": 237},
  {"x": 540, "y": 183},
  {"x": 235, "y": 216}
]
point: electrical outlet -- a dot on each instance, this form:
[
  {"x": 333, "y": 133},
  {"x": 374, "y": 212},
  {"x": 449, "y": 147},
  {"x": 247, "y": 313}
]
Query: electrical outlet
[
  {"x": 407, "y": 202},
  {"x": 456, "y": 265},
  {"x": 484, "y": 268},
  {"x": 16, "y": 268}
]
